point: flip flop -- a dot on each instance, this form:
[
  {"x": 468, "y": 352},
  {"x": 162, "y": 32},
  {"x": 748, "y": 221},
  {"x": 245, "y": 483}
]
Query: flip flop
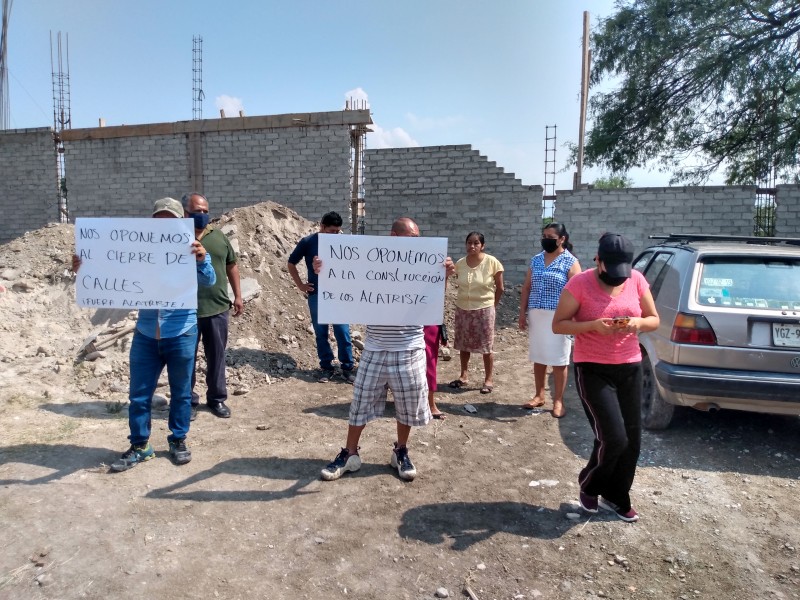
[
  {"x": 457, "y": 383},
  {"x": 487, "y": 389},
  {"x": 439, "y": 416},
  {"x": 532, "y": 405},
  {"x": 559, "y": 416}
]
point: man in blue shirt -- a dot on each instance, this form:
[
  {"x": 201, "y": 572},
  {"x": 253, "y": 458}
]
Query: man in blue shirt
[
  {"x": 163, "y": 337},
  {"x": 307, "y": 249}
]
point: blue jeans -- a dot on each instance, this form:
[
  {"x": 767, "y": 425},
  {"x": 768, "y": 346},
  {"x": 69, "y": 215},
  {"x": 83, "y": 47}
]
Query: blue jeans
[
  {"x": 148, "y": 357},
  {"x": 340, "y": 332}
]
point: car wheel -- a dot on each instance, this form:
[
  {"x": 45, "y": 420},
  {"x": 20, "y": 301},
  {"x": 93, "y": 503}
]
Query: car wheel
[{"x": 656, "y": 412}]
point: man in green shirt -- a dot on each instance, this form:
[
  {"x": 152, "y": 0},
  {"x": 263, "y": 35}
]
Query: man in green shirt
[{"x": 213, "y": 306}]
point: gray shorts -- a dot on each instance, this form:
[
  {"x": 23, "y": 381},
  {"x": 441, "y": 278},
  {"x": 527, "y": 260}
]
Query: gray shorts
[{"x": 404, "y": 372}]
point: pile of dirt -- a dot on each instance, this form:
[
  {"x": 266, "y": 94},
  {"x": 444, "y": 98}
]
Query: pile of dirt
[{"x": 44, "y": 329}]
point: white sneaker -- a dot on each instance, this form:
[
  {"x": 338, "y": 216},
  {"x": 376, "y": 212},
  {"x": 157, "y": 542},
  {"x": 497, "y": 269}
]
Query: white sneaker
[
  {"x": 343, "y": 463},
  {"x": 401, "y": 461}
]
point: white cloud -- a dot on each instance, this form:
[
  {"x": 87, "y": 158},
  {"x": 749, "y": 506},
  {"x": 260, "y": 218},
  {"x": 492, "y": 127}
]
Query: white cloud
[
  {"x": 429, "y": 123},
  {"x": 356, "y": 99},
  {"x": 397, "y": 137},
  {"x": 229, "y": 104}
]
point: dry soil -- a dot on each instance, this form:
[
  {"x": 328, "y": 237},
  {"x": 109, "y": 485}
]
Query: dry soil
[{"x": 493, "y": 510}]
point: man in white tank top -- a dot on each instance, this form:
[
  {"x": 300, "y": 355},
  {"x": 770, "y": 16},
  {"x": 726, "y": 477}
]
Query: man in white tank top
[{"x": 393, "y": 358}]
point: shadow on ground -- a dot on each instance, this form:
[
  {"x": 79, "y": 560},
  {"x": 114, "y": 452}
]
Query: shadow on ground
[
  {"x": 491, "y": 411},
  {"x": 100, "y": 409},
  {"x": 469, "y": 523},
  {"x": 61, "y": 459},
  {"x": 300, "y": 471},
  {"x": 725, "y": 441}
]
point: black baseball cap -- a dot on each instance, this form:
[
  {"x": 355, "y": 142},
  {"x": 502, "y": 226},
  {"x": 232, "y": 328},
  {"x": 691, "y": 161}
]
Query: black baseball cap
[{"x": 616, "y": 253}]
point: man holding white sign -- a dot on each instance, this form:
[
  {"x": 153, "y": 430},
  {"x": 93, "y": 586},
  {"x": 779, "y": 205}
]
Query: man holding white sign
[
  {"x": 394, "y": 352},
  {"x": 166, "y": 330}
]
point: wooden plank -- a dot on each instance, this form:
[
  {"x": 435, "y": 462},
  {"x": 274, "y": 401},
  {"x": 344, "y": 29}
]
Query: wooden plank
[{"x": 347, "y": 117}]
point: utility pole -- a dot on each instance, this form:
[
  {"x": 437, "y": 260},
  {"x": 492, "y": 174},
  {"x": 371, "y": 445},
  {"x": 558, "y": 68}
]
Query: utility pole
[
  {"x": 5, "y": 102},
  {"x": 585, "y": 68}
]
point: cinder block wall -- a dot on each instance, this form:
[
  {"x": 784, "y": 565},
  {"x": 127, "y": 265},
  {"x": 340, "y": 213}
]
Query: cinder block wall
[
  {"x": 640, "y": 212},
  {"x": 28, "y": 181},
  {"x": 299, "y": 160},
  {"x": 450, "y": 191},
  {"x": 122, "y": 177},
  {"x": 306, "y": 169},
  {"x": 787, "y": 212}
]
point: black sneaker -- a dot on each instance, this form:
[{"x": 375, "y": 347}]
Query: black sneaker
[
  {"x": 193, "y": 414},
  {"x": 629, "y": 516},
  {"x": 349, "y": 375},
  {"x": 343, "y": 463},
  {"x": 588, "y": 503},
  {"x": 179, "y": 452},
  {"x": 133, "y": 456},
  {"x": 401, "y": 461},
  {"x": 327, "y": 375}
]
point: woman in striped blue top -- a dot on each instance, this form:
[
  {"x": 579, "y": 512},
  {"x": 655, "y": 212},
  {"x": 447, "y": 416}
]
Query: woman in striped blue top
[{"x": 548, "y": 274}]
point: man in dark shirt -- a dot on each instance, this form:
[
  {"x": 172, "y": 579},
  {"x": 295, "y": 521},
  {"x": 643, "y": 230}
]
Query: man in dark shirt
[
  {"x": 213, "y": 306},
  {"x": 306, "y": 249}
]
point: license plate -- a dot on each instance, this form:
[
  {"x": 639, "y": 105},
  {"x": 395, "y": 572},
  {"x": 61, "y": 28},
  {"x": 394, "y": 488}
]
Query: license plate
[{"x": 786, "y": 335}]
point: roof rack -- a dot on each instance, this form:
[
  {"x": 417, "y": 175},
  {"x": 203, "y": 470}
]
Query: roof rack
[{"x": 685, "y": 238}]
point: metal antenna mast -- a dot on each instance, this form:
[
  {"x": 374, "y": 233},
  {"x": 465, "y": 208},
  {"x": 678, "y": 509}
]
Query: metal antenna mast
[
  {"x": 5, "y": 104},
  {"x": 197, "y": 78},
  {"x": 549, "y": 198},
  {"x": 62, "y": 117}
]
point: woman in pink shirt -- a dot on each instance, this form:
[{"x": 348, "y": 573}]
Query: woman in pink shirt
[{"x": 604, "y": 308}]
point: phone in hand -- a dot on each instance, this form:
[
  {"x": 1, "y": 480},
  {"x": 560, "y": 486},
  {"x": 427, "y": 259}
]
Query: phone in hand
[{"x": 620, "y": 321}]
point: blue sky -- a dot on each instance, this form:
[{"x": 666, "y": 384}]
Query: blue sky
[{"x": 481, "y": 72}]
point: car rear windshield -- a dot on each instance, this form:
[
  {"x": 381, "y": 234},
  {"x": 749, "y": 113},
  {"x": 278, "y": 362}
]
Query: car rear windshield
[{"x": 750, "y": 282}]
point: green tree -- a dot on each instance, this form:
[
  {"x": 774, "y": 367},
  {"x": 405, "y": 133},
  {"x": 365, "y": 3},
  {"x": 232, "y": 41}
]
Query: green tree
[
  {"x": 613, "y": 182},
  {"x": 698, "y": 86}
]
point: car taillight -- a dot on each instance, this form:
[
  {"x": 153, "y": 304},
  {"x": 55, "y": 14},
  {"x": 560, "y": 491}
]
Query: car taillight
[{"x": 693, "y": 329}]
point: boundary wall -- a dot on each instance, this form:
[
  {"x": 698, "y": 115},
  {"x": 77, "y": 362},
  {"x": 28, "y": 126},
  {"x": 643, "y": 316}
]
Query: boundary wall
[
  {"x": 28, "y": 181},
  {"x": 640, "y": 212},
  {"x": 303, "y": 161},
  {"x": 450, "y": 191},
  {"x": 787, "y": 211},
  {"x": 298, "y": 160}
]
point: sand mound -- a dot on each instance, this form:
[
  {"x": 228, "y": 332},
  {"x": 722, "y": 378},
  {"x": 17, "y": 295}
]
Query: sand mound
[{"x": 43, "y": 329}]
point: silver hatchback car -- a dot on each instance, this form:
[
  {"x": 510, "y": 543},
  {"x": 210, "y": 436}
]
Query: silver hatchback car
[{"x": 730, "y": 325}]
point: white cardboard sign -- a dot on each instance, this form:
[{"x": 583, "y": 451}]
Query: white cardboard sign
[
  {"x": 135, "y": 263},
  {"x": 381, "y": 280}
]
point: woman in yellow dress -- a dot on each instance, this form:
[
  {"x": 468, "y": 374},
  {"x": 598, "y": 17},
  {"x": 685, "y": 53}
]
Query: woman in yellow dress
[{"x": 480, "y": 287}]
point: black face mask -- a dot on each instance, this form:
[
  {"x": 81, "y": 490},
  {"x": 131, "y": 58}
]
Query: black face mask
[
  {"x": 549, "y": 244},
  {"x": 612, "y": 281}
]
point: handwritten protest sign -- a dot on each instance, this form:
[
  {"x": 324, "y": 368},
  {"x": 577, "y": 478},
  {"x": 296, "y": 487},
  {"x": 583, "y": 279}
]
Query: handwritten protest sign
[
  {"x": 136, "y": 263},
  {"x": 381, "y": 280}
]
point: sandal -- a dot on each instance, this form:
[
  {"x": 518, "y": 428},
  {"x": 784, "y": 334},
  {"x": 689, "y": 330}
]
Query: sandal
[
  {"x": 457, "y": 383},
  {"x": 487, "y": 389},
  {"x": 531, "y": 405},
  {"x": 561, "y": 413}
]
